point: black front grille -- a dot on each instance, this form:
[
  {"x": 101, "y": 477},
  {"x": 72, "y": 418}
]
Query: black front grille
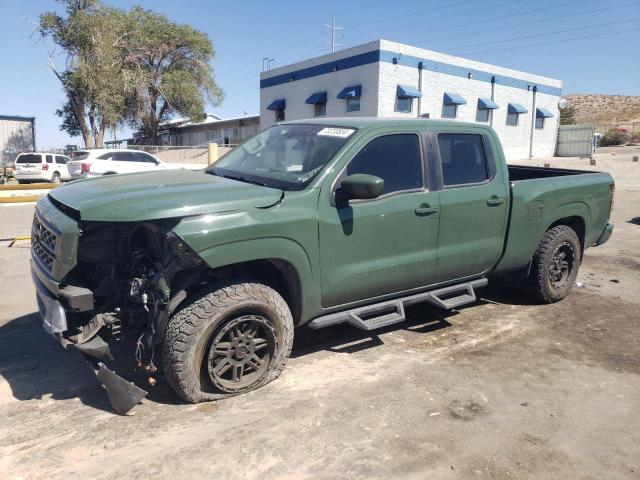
[{"x": 43, "y": 243}]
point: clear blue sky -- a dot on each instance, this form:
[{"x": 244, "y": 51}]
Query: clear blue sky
[{"x": 592, "y": 45}]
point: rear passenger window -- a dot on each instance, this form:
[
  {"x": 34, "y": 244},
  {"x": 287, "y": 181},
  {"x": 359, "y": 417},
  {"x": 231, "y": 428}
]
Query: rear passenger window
[
  {"x": 394, "y": 158},
  {"x": 123, "y": 157},
  {"x": 463, "y": 159},
  {"x": 49, "y": 158},
  {"x": 61, "y": 160}
]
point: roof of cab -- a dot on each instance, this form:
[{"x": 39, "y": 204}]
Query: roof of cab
[{"x": 378, "y": 122}]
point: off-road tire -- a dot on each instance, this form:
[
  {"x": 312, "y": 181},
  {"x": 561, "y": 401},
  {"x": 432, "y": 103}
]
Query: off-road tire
[
  {"x": 190, "y": 331},
  {"x": 538, "y": 284}
]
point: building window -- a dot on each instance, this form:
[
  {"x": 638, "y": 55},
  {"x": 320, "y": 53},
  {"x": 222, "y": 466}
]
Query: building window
[
  {"x": 353, "y": 104},
  {"x": 404, "y": 104},
  {"x": 279, "y": 115},
  {"x": 449, "y": 111},
  {"x": 482, "y": 115},
  {"x": 512, "y": 119},
  {"x": 320, "y": 109},
  {"x": 540, "y": 123}
]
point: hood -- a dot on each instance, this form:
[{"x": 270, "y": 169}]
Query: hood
[{"x": 160, "y": 194}]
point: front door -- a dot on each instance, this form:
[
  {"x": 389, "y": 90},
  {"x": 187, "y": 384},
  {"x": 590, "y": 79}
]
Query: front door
[
  {"x": 473, "y": 206},
  {"x": 375, "y": 247}
]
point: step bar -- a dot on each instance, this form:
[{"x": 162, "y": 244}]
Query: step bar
[{"x": 386, "y": 313}]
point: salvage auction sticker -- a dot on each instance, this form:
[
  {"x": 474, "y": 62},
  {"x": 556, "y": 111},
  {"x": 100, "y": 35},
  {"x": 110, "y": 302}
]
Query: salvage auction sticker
[{"x": 336, "y": 132}]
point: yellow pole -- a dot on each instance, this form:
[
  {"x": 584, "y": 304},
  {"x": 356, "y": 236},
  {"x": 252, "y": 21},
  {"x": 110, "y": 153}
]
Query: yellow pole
[
  {"x": 213, "y": 153},
  {"x": 26, "y": 237}
]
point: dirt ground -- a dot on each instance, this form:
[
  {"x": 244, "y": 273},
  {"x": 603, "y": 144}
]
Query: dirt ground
[{"x": 503, "y": 389}]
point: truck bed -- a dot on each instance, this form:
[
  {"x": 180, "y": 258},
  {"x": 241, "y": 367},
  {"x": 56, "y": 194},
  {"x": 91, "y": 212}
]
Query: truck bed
[
  {"x": 525, "y": 172},
  {"x": 541, "y": 197}
]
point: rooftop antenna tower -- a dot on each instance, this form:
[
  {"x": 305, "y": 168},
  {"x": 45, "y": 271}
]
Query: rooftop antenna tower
[{"x": 333, "y": 29}]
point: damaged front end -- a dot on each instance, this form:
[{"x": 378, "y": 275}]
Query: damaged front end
[{"x": 97, "y": 282}]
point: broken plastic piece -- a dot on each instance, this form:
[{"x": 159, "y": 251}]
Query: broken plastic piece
[{"x": 123, "y": 395}]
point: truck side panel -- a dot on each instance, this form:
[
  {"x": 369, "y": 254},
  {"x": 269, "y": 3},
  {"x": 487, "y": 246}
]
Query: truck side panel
[{"x": 538, "y": 204}]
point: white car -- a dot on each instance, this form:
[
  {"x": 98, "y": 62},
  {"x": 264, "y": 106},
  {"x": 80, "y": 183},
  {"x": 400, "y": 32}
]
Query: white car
[
  {"x": 41, "y": 167},
  {"x": 93, "y": 163}
]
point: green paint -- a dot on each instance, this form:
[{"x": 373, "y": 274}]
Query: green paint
[{"x": 364, "y": 250}]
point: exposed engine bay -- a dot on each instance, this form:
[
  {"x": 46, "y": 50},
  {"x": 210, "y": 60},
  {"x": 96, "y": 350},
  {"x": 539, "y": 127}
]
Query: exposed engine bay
[{"x": 138, "y": 274}]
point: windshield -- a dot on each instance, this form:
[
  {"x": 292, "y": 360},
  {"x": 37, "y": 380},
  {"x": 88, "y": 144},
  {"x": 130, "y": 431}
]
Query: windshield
[{"x": 284, "y": 156}]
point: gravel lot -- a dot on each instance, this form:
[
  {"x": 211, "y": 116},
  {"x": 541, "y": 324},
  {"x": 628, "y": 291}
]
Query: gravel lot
[{"x": 501, "y": 389}]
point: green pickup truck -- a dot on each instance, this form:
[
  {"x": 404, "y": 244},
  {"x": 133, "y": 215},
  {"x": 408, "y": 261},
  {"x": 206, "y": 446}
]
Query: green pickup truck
[{"x": 317, "y": 222}]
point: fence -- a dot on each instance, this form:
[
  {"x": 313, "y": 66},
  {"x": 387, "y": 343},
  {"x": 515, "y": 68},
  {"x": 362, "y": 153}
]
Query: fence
[{"x": 176, "y": 154}]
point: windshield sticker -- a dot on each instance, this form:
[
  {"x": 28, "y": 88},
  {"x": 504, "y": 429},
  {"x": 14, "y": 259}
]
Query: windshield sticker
[{"x": 335, "y": 132}]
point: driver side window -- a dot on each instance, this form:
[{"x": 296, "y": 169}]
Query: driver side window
[{"x": 395, "y": 158}]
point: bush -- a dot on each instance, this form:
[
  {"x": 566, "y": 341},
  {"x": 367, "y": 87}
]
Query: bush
[{"x": 614, "y": 136}]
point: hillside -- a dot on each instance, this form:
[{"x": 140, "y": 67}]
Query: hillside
[{"x": 605, "y": 109}]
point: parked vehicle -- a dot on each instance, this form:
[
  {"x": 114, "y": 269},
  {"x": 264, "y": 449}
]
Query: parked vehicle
[
  {"x": 3, "y": 177},
  {"x": 317, "y": 222},
  {"x": 41, "y": 167},
  {"x": 98, "y": 162}
]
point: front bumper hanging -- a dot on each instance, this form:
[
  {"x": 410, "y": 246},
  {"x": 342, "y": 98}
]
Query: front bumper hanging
[{"x": 123, "y": 395}]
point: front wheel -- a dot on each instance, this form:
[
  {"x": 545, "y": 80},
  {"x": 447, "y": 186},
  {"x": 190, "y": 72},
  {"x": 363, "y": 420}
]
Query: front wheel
[
  {"x": 229, "y": 341},
  {"x": 555, "y": 265}
]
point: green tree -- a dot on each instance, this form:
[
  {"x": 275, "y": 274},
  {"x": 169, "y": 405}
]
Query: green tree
[
  {"x": 170, "y": 71},
  {"x": 567, "y": 115},
  {"x": 135, "y": 66},
  {"x": 94, "y": 80}
]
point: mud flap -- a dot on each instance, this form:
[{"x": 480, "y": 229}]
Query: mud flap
[{"x": 123, "y": 395}]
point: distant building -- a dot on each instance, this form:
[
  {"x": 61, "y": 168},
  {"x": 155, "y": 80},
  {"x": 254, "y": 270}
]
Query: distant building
[
  {"x": 17, "y": 135},
  {"x": 213, "y": 129},
  {"x": 388, "y": 79}
]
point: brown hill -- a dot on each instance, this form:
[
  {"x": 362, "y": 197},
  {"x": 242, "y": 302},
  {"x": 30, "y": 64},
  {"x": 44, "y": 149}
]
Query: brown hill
[{"x": 605, "y": 109}]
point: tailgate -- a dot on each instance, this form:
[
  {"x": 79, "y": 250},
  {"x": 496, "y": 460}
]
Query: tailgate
[{"x": 75, "y": 167}]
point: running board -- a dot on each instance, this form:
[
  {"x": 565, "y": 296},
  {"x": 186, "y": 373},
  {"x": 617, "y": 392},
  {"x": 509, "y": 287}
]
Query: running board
[{"x": 386, "y": 313}]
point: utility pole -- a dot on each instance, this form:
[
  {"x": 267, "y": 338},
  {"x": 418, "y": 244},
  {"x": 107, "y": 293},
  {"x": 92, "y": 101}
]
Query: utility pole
[{"x": 333, "y": 29}]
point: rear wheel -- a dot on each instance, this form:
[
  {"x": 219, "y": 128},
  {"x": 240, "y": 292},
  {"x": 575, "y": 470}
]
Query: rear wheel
[
  {"x": 55, "y": 178},
  {"x": 555, "y": 265},
  {"x": 231, "y": 340}
]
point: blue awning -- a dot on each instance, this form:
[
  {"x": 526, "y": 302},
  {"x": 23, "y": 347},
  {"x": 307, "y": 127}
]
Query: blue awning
[
  {"x": 543, "y": 113},
  {"x": 277, "y": 104},
  {"x": 516, "y": 108},
  {"x": 408, "y": 92},
  {"x": 318, "y": 97},
  {"x": 353, "y": 91},
  {"x": 454, "y": 99},
  {"x": 487, "y": 104}
]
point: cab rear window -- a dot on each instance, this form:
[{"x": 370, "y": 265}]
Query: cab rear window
[{"x": 29, "y": 158}]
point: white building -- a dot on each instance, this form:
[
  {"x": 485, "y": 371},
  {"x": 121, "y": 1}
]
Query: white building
[{"x": 388, "y": 79}]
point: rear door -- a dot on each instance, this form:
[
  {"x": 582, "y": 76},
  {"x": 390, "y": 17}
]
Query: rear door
[
  {"x": 122, "y": 162},
  {"x": 144, "y": 161},
  {"x": 473, "y": 204},
  {"x": 387, "y": 244},
  {"x": 61, "y": 164}
]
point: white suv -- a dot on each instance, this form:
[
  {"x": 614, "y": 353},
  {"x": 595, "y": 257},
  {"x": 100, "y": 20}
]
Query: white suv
[
  {"x": 92, "y": 163},
  {"x": 41, "y": 167}
]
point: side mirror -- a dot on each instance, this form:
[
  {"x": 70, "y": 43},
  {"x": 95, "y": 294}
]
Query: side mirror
[{"x": 361, "y": 186}]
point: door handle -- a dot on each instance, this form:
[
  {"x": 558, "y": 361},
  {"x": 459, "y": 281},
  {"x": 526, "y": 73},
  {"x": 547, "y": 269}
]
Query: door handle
[
  {"x": 424, "y": 210},
  {"x": 494, "y": 201}
]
